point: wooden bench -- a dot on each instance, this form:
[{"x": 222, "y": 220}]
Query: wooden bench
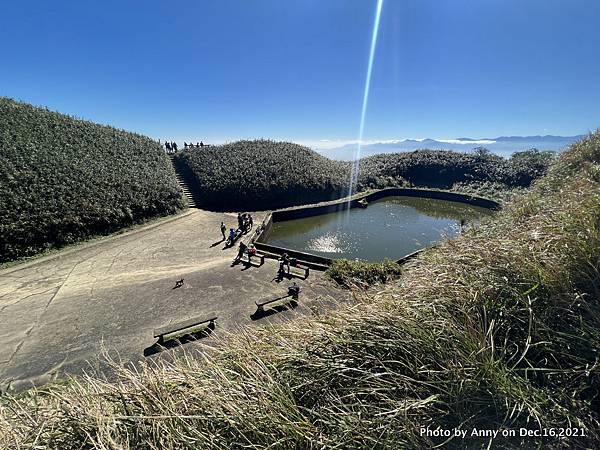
[
  {"x": 304, "y": 272},
  {"x": 292, "y": 295},
  {"x": 312, "y": 265},
  {"x": 188, "y": 325},
  {"x": 246, "y": 260}
]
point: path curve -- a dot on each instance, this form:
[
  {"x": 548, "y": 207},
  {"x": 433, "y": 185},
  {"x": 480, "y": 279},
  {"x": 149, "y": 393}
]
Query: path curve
[{"x": 57, "y": 312}]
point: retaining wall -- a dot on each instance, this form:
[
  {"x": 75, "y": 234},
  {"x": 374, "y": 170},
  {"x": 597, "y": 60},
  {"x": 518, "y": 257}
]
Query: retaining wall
[
  {"x": 302, "y": 256},
  {"x": 341, "y": 205}
]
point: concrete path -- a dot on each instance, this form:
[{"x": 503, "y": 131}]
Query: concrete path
[{"x": 56, "y": 313}]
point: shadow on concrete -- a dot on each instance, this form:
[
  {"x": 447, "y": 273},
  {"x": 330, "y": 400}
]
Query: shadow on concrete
[
  {"x": 282, "y": 275},
  {"x": 176, "y": 342},
  {"x": 258, "y": 314},
  {"x": 248, "y": 264},
  {"x": 214, "y": 244}
]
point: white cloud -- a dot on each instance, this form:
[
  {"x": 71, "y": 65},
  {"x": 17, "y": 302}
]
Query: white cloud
[
  {"x": 460, "y": 142},
  {"x": 334, "y": 143},
  {"x": 324, "y": 144}
]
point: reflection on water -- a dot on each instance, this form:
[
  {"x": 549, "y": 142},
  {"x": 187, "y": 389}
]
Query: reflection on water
[
  {"x": 389, "y": 228},
  {"x": 328, "y": 243}
]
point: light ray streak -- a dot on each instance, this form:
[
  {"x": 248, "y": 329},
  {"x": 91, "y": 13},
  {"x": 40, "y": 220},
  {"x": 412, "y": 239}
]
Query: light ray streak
[{"x": 355, "y": 169}]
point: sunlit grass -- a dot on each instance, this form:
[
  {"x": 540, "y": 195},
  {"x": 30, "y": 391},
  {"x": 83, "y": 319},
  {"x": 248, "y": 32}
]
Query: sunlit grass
[{"x": 497, "y": 328}]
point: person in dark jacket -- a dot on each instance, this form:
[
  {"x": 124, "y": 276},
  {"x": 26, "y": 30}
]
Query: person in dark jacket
[
  {"x": 241, "y": 250},
  {"x": 284, "y": 261}
]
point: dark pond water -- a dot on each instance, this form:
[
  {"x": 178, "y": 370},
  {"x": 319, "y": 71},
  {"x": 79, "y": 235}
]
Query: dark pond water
[{"x": 389, "y": 228}]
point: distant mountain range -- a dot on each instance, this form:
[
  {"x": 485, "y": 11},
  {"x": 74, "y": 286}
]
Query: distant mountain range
[{"x": 504, "y": 145}]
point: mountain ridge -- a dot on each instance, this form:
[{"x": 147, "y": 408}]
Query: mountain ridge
[{"x": 502, "y": 145}]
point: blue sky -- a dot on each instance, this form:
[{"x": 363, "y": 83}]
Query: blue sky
[{"x": 295, "y": 69}]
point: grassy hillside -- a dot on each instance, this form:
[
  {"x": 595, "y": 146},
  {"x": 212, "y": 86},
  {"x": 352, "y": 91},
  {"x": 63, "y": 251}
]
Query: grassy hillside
[
  {"x": 64, "y": 180},
  {"x": 498, "y": 329},
  {"x": 443, "y": 169},
  {"x": 266, "y": 174},
  {"x": 262, "y": 174}
]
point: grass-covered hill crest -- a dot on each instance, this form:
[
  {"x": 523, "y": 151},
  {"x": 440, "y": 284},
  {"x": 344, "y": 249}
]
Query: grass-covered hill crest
[
  {"x": 264, "y": 174},
  {"x": 63, "y": 180}
]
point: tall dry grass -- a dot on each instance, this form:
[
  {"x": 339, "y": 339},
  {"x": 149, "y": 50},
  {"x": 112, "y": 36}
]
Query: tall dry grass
[{"x": 498, "y": 329}]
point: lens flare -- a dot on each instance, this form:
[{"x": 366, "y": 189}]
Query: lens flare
[{"x": 355, "y": 164}]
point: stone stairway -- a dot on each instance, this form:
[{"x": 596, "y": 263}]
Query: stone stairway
[{"x": 185, "y": 188}]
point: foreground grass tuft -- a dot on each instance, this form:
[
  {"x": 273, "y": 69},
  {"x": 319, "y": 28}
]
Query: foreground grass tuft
[{"x": 497, "y": 329}]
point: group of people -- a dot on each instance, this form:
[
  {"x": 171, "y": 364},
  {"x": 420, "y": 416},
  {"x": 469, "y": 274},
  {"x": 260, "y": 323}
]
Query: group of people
[
  {"x": 250, "y": 250},
  {"x": 245, "y": 223},
  {"x": 190, "y": 145},
  {"x": 170, "y": 147}
]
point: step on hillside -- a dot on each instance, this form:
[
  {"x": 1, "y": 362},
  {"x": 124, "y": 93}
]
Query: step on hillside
[{"x": 187, "y": 192}]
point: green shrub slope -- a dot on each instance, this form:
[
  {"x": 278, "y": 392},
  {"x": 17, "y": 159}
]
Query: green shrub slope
[
  {"x": 266, "y": 174},
  {"x": 262, "y": 174},
  {"x": 497, "y": 329},
  {"x": 63, "y": 180},
  {"x": 443, "y": 169}
]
